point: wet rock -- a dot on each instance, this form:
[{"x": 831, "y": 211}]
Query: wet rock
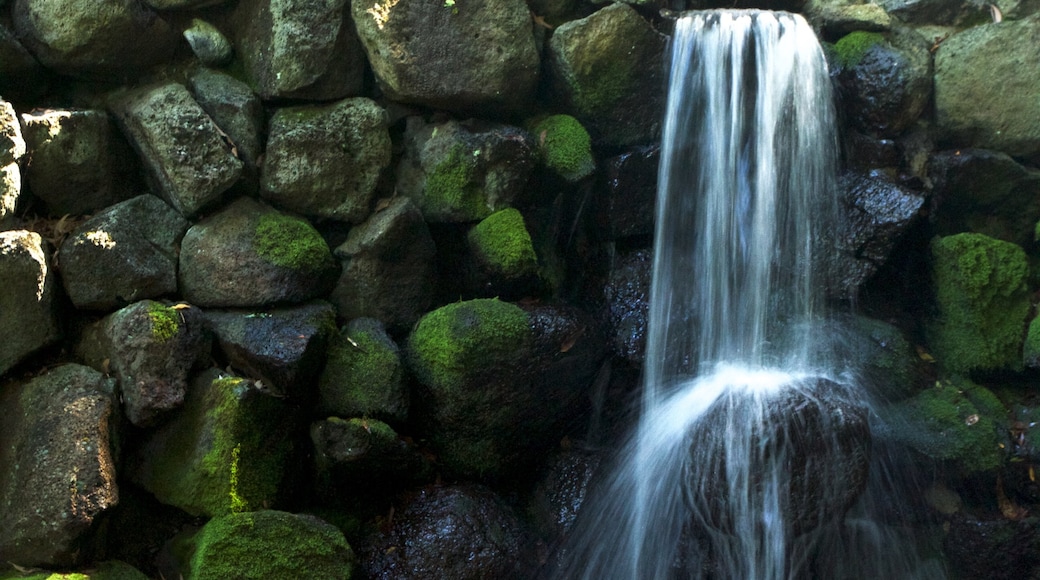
[
  {"x": 235, "y": 108},
  {"x": 463, "y": 532},
  {"x": 465, "y": 58},
  {"x": 283, "y": 347},
  {"x": 150, "y": 348},
  {"x": 94, "y": 39},
  {"x": 627, "y": 206},
  {"x": 80, "y": 163},
  {"x": 225, "y": 451},
  {"x": 941, "y": 12},
  {"x": 124, "y": 254},
  {"x": 985, "y": 192},
  {"x": 269, "y": 544},
  {"x": 293, "y": 49},
  {"x": 462, "y": 172},
  {"x": 57, "y": 465},
  {"x": 996, "y": 548},
  {"x": 499, "y": 382},
  {"x": 600, "y": 70},
  {"x": 364, "y": 374},
  {"x": 877, "y": 213},
  {"x": 388, "y": 267},
  {"x": 187, "y": 159},
  {"x": 983, "y": 96},
  {"x": 627, "y": 294},
  {"x": 565, "y": 147},
  {"x": 28, "y": 314},
  {"x": 249, "y": 255},
  {"x": 504, "y": 261},
  {"x": 325, "y": 160},
  {"x": 208, "y": 43},
  {"x": 559, "y": 495},
  {"x": 886, "y": 81},
  {"x": 864, "y": 153},
  {"x": 889, "y": 370}
]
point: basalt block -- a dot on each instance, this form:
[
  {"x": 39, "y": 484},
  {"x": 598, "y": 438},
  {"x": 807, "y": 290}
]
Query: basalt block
[{"x": 28, "y": 307}]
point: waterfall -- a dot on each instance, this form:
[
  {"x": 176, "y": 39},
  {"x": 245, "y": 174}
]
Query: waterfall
[{"x": 752, "y": 438}]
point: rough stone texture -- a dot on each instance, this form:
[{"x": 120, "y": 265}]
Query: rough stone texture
[
  {"x": 80, "y": 163},
  {"x": 235, "y": 108},
  {"x": 626, "y": 205},
  {"x": 151, "y": 349},
  {"x": 627, "y": 293},
  {"x": 891, "y": 369},
  {"x": 464, "y": 532},
  {"x": 983, "y": 95},
  {"x": 10, "y": 192},
  {"x": 389, "y": 267},
  {"x": 208, "y": 43},
  {"x": 974, "y": 544},
  {"x": 12, "y": 144},
  {"x": 295, "y": 49},
  {"x": 839, "y": 19},
  {"x": 477, "y": 56},
  {"x": 889, "y": 87},
  {"x": 188, "y": 160},
  {"x": 463, "y": 172},
  {"x": 28, "y": 315},
  {"x": 559, "y": 495},
  {"x": 283, "y": 347},
  {"x": 249, "y": 255},
  {"x": 122, "y": 255},
  {"x": 57, "y": 464},
  {"x": 225, "y": 451},
  {"x": 364, "y": 375},
  {"x": 877, "y": 213},
  {"x": 606, "y": 69},
  {"x": 325, "y": 160},
  {"x": 985, "y": 192},
  {"x": 942, "y": 12},
  {"x": 96, "y": 38}
]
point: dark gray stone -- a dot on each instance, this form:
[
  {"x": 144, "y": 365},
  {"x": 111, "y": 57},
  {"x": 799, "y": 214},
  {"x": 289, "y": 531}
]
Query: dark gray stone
[
  {"x": 364, "y": 375},
  {"x": 941, "y": 12},
  {"x": 235, "y": 108},
  {"x": 627, "y": 294},
  {"x": 208, "y": 43},
  {"x": 28, "y": 314},
  {"x": 10, "y": 193},
  {"x": 626, "y": 207},
  {"x": 12, "y": 144}
]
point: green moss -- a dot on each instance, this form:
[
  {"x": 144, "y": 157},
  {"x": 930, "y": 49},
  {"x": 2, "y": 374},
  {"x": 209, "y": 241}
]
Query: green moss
[
  {"x": 269, "y": 544},
  {"x": 363, "y": 375},
  {"x": 466, "y": 339},
  {"x": 1031, "y": 348},
  {"x": 291, "y": 243},
  {"x": 502, "y": 243},
  {"x": 852, "y": 47},
  {"x": 452, "y": 188},
  {"x": 164, "y": 321},
  {"x": 565, "y": 146},
  {"x": 606, "y": 82},
  {"x": 981, "y": 295}
]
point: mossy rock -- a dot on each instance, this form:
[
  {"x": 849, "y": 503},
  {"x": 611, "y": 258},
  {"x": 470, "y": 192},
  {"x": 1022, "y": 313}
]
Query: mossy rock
[
  {"x": 110, "y": 570},
  {"x": 291, "y": 242},
  {"x": 363, "y": 374},
  {"x": 502, "y": 246},
  {"x": 269, "y": 544},
  {"x": 565, "y": 146},
  {"x": 851, "y": 48},
  {"x": 982, "y": 301}
]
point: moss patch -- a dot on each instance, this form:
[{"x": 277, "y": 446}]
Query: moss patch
[
  {"x": 565, "y": 146},
  {"x": 852, "y": 47},
  {"x": 502, "y": 244},
  {"x": 291, "y": 243},
  {"x": 363, "y": 375},
  {"x": 1031, "y": 348},
  {"x": 164, "y": 321},
  {"x": 453, "y": 189}
]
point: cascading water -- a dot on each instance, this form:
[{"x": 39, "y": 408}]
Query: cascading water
[{"x": 749, "y": 442}]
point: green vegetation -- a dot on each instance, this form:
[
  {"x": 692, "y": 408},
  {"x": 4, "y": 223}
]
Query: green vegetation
[
  {"x": 291, "y": 243},
  {"x": 164, "y": 321},
  {"x": 502, "y": 243},
  {"x": 852, "y": 47},
  {"x": 981, "y": 295},
  {"x": 452, "y": 188},
  {"x": 110, "y": 570},
  {"x": 362, "y": 375},
  {"x": 608, "y": 81},
  {"x": 565, "y": 146},
  {"x": 1031, "y": 348}
]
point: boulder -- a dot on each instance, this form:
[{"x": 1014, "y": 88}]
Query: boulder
[
  {"x": 364, "y": 375},
  {"x": 464, "y": 532},
  {"x": 565, "y": 147},
  {"x": 560, "y": 493},
  {"x": 606, "y": 69},
  {"x": 208, "y": 43},
  {"x": 122, "y": 255},
  {"x": 57, "y": 464},
  {"x": 836, "y": 19},
  {"x": 504, "y": 261},
  {"x": 627, "y": 304},
  {"x": 28, "y": 298},
  {"x": 993, "y": 547},
  {"x": 325, "y": 160},
  {"x": 389, "y": 267},
  {"x": 983, "y": 96},
  {"x": 282, "y": 347},
  {"x": 463, "y": 172},
  {"x": 249, "y": 255},
  {"x": 187, "y": 158},
  {"x": 19, "y": 71},
  {"x": 626, "y": 202},
  {"x": 235, "y": 108},
  {"x": 478, "y": 57},
  {"x": 80, "y": 164},
  {"x": 12, "y": 143},
  {"x": 941, "y": 12},
  {"x": 10, "y": 193}
]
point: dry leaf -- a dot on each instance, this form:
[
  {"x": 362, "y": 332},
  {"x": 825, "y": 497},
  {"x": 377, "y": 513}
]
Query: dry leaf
[
  {"x": 923, "y": 354},
  {"x": 1008, "y": 508},
  {"x": 383, "y": 203}
]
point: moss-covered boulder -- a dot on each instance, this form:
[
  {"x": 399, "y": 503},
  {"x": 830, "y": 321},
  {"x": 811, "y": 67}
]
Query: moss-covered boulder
[
  {"x": 565, "y": 146},
  {"x": 505, "y": 261},
  {"x": 364, "y": 374},
  {"x": 226, "y": 451},
  {"x": 982, "y": 302},
  {"x": 269, "y": 544}
]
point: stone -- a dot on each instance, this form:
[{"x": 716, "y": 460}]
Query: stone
[
  {"x": 208, "y": 43},
  {"x": 80, "y": 164},
  {"x": 295, "y": 49},
  {"x": 983, "y": 95},
  {"x": 627, "y": 304},
  {"x": 463, "y": 172},
  {"x": 10, "y": 193},
  {"x": 974, "y": 543},
  {"x": 19, "y": 71},
  {"x": 28, "y": 298},
  {"x": 606, "y": 70},
  {"x": 464, "y": 532},
  {"x": 364, "y": 375},
  {"x": 282, "y": 347},
  {"x": 235, "y": 108},
  {"x": 942, "y": 12},
  {"x": 95, "y": 39},
  {"x": 12, "y": 144},
  {"x": 225, "y": 451},
  {"x": 561, "y": 492},
  {"x": 890, "y": 371},
  {"x": 504, "y": 261},
  {"x": 57, "y": 464},
  {"x": 837, "y": 20},
  {"x": 626, "y": 204},
  {"x": 389, "y": 267},
  {"x": 478, "y": 57},
  {"x": 565, "y": 147},
  {"x": 249, "y": 255},
  {"x": 124, "y": 254},
  {"x": 325, "y": 160},
  {"x": 188, "y": 161}
]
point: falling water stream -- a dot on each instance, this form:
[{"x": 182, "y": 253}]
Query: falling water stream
[{"x": 751, "y": 439}]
